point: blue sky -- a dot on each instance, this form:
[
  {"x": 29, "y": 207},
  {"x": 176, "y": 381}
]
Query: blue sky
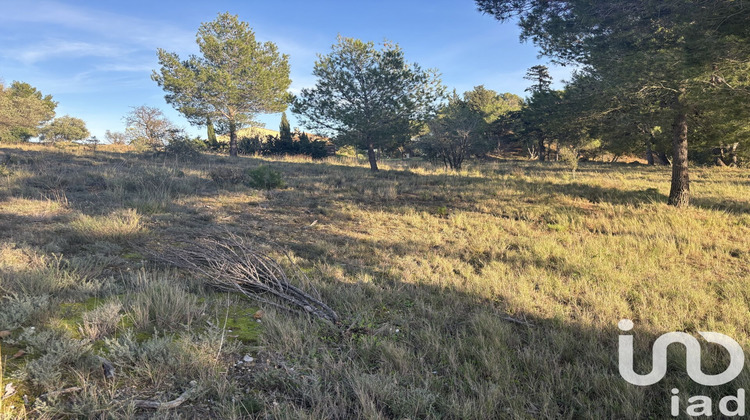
[{"x": 95, "y": 57}]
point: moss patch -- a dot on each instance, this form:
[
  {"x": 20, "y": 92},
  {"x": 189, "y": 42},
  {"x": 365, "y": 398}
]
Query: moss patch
[
  {"x": 242, "y": 325},
  {"x": 70, "y": 315}
]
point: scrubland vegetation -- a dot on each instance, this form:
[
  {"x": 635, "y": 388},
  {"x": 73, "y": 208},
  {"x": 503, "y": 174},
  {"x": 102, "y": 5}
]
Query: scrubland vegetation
[
  {"x": 160, "y": 279},
  {"x": 493, "y": 292}
]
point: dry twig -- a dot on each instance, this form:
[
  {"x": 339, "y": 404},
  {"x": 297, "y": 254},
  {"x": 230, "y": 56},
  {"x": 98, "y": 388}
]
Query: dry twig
[
  {"x": 156, "y": 405},
  {"x": 234, "y": 264}
]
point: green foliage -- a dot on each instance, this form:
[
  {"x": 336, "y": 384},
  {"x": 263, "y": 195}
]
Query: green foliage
[
  {"x": 65, "y": 128},
  {"x": 672, "y": 57},
  {"x": 23, "y": 110},
  {"x": 263, "y": 177},
  {"x": 569, "y": 157},
  {"x": 491, "y": 104},
  {"x": 285, "y": 131},
  {"x": 213, "y": 143},
  {"x": 181, "y": 145},
  {"x": 370, "y": 98},
  {"x": 234, "y": 79},
  {"x": 454, "y": 134},
  {"x": 538, "y": 74},
  {"x": 463, "y": 126},
  {"x": 275, "y": 145}
]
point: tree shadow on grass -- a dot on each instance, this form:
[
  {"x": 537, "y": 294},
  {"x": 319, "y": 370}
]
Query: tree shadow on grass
[
  {"x": 718, "y": 204},
  {"x": 592, "y": 193},
  {"x": 455, "y": 354}
]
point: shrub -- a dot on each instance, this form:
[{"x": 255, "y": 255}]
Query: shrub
[
  {"x": 185, "y": 147},
  {"x": 16, "y": 310},
  {"x": 101, "y": 321},
  {"x": 263, "y": 177},
  {"x": 58, "y": 353},
  {"x": 250, "y": 145},
  {"x": 226, "y": 176},
  {"x": 570, "y": 158}
]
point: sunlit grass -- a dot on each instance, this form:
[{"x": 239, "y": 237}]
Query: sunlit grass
[
  {"x": 489, "y": 293},
  {"x": 116, "y": 227}
]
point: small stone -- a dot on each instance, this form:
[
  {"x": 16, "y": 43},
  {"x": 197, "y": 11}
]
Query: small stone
[{"x": 247, "y": 359}]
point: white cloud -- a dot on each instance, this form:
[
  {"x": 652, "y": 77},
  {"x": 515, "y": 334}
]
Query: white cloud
[
  {"x": 120, "y": 28},
  {"x": 55, "y": 48}
]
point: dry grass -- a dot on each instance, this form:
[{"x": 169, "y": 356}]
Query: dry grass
[{"x": 424, "y": 266}]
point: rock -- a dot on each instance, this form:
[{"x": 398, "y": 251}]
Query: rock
[
  {"x": 10, "y": 390},
  {"x": 247, "y": 359}
]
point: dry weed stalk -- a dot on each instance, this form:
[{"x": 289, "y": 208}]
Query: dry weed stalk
[{"x": 234, "y": 264}]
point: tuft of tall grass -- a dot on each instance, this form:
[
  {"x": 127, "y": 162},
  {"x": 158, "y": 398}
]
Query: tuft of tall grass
[
  {"x": 119, "y": 226},
  {"x": 161, "y": 303},
  {"x": 101, "y": 322}
]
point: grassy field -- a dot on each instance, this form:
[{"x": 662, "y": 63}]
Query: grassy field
[{"x": 490, "y": 293}]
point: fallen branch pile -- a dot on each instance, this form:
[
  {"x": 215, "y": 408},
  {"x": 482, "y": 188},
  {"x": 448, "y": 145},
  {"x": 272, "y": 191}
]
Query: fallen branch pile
[{"x": 233, "y": 263}]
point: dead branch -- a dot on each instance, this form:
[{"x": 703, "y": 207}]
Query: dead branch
[
  {"x": 232, "y": 263},
  {"x": 517, "y": 320},
  {"x": 53, "y": 394},
  {"x": 157, "y": 405}
]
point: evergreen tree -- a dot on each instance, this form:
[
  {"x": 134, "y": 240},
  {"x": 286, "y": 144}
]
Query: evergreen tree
[
  {"x": 234, "y": 79},
  {"x": 369, "y": 98},
  {"x": 673, "y": 54}
]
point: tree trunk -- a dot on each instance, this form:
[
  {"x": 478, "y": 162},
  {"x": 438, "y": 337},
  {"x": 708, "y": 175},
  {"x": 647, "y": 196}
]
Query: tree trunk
[
  {"x": 649, "y": 153},
  {"x": 663, "y": 159},
  {"x": 232, "y": 139},
  {"x": 371, "y": 156},
  {"x": 557, "y": 151},
  {"x": 542, "y": 152},
  {"x": 733, "y": 154},
  {"x": 679, "y": 194}
]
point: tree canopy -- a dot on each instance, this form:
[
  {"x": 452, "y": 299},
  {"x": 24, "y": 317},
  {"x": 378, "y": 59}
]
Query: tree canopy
[
  {"x": 65, "y": 128},
  {"x": 23, "y": 110},
  {"x": 371, "y": 98},
  {"x": 235, "y": 78},
  {"x": 147, "y": 126},
  {"x": 463, "y": 126},
  {"x": 676, "y": 55}
]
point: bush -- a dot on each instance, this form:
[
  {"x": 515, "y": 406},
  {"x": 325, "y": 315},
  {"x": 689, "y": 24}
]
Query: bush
[
  {"x": 263, "y": 177},
  {"x": 570, "y": 158},
  {"x": 271, "y": 145},
  {"x": 16, "y": 310},
  {"x": 101, "y": 321},
  {"x": 250, "y": 145},
  {"x": 226, "y": 176},
  {"x": 185, "y": 147}
]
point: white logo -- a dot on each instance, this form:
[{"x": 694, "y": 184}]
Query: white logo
[{"x": 692, "y": 355}]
